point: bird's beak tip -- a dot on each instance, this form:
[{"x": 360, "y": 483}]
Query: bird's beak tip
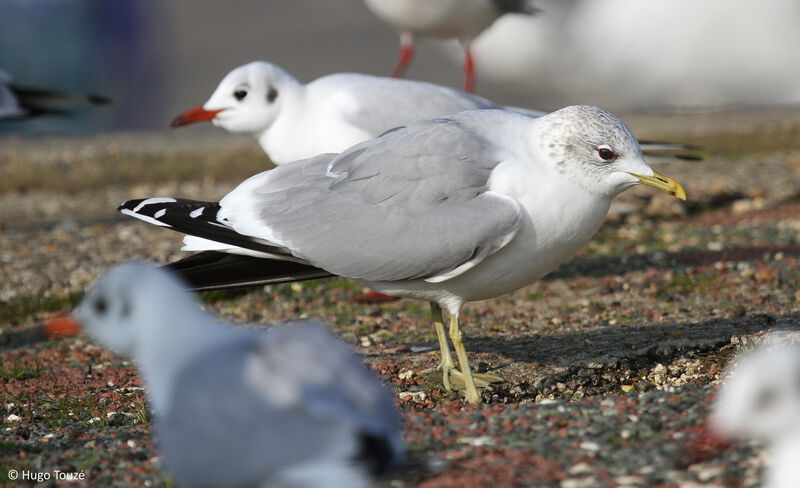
[
  {"x": 61, "y": 326},
  {"x": 663, "y": 183},
  {"x": 197, "y": 114}
]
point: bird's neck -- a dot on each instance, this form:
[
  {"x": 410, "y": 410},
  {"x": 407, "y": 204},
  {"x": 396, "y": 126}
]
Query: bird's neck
[
  {"x": 279, "y": 139},
  {"x": 170, "y": 350}
]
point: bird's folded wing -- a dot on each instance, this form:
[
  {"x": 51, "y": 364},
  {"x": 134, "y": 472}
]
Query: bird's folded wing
[
  {"x": 412, "y": 204},
  {"x": 376, "y": 104},
  {"x": 216, "y": 403}
]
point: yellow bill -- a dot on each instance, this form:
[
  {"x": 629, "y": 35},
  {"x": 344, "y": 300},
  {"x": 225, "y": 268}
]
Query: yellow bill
[{"x": 663, "y": 183}]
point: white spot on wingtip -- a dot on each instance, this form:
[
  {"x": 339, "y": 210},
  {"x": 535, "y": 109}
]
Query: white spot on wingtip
[
  {"x": 150, "y": 201},
  {"x": 145, "y": 218},
  {"x": 160, "y": 213},
  {"x": 196, "y": 212}
]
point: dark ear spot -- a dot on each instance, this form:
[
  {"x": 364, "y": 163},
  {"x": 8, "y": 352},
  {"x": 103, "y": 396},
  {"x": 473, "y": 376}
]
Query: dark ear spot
[
  {"x": 272, "y": 94},
  {"x": 125, "y": 311},
  {"x": 766, "y": 399}
]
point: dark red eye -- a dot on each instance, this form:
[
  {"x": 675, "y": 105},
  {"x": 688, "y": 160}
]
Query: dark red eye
[{"x": 606, "y": 153}]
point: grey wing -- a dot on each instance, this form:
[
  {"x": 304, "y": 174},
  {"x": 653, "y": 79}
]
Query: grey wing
[
  {"x": 316, "y": 371},
  {"x": 386, "y": 103},
  {"x": 412, "y": 204},
  {"x": 236, "y": 419}
]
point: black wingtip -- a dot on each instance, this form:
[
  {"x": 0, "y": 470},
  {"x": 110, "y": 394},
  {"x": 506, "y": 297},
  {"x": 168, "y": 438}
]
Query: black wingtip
[
  {"x": 213, "y": 270},
  {"x": 129, "y": 204},
  {"x": 377, "y": 453}
]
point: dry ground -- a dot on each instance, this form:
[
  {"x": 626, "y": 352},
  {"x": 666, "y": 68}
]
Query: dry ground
[{"x": 611, "y": 362}]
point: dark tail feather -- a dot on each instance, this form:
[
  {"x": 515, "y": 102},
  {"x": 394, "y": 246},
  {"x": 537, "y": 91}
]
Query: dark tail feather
[{"x": 212, "y": 270}]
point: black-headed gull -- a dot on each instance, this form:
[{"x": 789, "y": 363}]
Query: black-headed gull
[
  {"x": 457, "y": 19},
  {"x": 287, "y": 407},
  {"x": 451, "y": 210},
  {"x": 294, "y": 121}
]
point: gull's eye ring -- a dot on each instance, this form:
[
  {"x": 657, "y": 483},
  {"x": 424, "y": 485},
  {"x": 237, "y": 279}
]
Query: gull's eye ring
[{"x": 606, "y": 153}]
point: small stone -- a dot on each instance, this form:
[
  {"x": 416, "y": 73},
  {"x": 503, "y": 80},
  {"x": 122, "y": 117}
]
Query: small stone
[
  {"x": 590, "y": 446},
  {"x": 115, "y": 419},
  {"x": 630, "y": 480},
  {"x": 579, "y": 483},
  {"x": 131, "y": 443},
  {"x": 580, "y": 469},
  {"x": 13, "y": 418},
  {"x": 414, "y": 396},
  {"x": 738, "y": 311},
  {"x": 708, "y": 473},
  {"x": 405, "y": 374},
  {"x": 478, "y": 441}
]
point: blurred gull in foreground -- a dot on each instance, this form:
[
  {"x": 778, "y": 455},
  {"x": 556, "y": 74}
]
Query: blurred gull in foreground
[
  {"x": 458, "y": 19},
  {"x": 760, "y": 399},
  {"x": 462, "y": 208},
  {"x": 294, "y": 121},
  {"x": 290, "y": 406}
]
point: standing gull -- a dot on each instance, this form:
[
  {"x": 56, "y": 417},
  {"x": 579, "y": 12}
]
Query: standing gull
[
  {"x": 294, "y": 121},
  {"x": 459, "y": 19},
  {"x": 462, "y": 208},
  {"x": 291, "y": 406}
]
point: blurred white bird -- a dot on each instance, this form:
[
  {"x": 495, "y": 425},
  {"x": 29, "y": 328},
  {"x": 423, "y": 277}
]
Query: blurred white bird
[
  {"x": 290, "y": 406},
  {"x": 760, "y": 399},
  {"x": 633, "y": 54},
  {"x": 19, "y": 102},
  {"x": 458, "y": 19}
]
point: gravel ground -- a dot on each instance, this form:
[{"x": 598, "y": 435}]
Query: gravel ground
[{"x": 611, "y": 362}]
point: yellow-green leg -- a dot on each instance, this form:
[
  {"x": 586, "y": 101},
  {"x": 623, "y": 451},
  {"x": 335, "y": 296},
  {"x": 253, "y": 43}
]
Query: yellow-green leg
[
  {"x": 469, "y": 382},
  {"x": 447, "y": 364}
]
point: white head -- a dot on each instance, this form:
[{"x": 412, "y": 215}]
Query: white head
[
  {"x": 597, "y": 151},
  {"x": 247, "y": 100},
  {"x": 134, "y": 305},
  {"x": 760, "y": 395}
]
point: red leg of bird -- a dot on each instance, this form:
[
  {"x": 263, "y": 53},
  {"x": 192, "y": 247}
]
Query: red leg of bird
[
  {"x": 469, "y": 71},
  {"x": 374, "y": 297},
  {"x": 406, "y": 54}
]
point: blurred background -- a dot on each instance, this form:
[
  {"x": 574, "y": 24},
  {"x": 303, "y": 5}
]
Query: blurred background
[{"x": 156, "y": 59}]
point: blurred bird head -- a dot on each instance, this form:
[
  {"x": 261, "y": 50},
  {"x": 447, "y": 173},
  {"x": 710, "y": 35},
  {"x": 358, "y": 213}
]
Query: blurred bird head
[{"x": 247, "y": 100}]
